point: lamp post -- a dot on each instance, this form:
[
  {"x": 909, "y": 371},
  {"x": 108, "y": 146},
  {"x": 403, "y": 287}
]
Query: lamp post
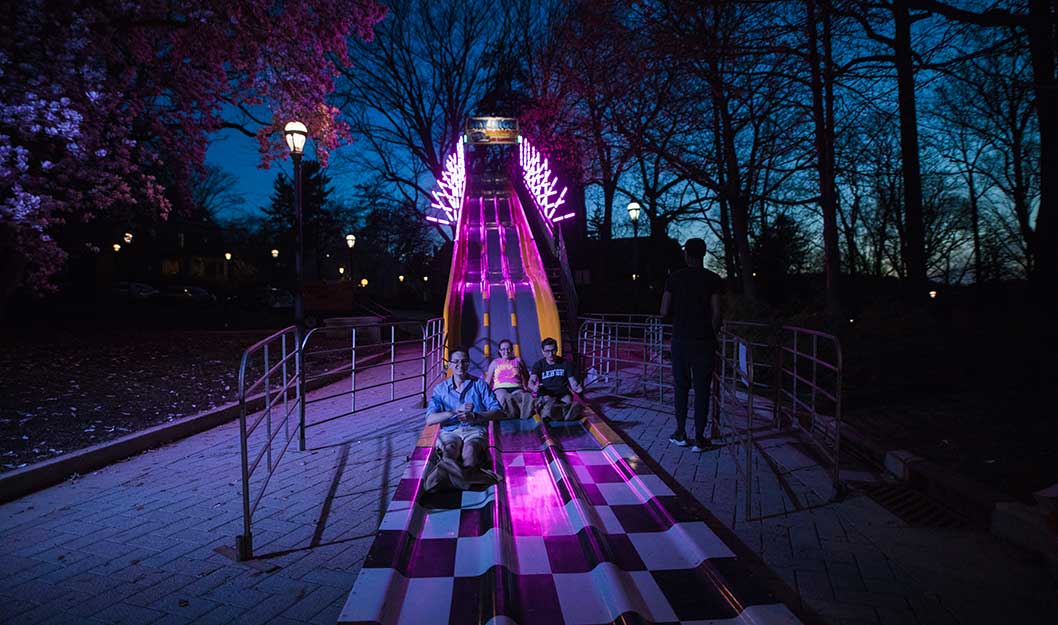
[
  {"x": 350, "y": 241},
  {"x": 633, "y": 215},
  {"x": 295, "y": 134}
]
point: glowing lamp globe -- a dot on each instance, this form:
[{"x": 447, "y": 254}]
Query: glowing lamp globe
[{"x": 295, "y": 133}]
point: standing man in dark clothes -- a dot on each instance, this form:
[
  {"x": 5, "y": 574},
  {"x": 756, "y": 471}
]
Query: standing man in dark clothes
[{"x": 692, "y": 298}]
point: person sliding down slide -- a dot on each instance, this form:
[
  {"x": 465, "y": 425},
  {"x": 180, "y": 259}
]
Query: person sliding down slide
[
  {"x": 508, "y": 378},
  {"x": 552, "y": 381},
  {"x": 463, "y": 405}
]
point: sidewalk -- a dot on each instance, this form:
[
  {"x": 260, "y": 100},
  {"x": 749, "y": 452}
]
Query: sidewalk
[
  {"x": 136, "y": 542},
  {"x": 851, "y": 562}
]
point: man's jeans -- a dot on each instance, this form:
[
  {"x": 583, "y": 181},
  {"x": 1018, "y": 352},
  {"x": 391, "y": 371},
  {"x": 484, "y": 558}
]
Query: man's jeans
[{"x": 692, "y": 363}]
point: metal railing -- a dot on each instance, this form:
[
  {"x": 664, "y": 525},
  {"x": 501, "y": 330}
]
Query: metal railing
[
  {"x": 270, "y": 360},
  {"x": 273, "y": 369},
  {"x": 790, "y": 376},
  {"x": 734, "y": 386},
  {"x": 625, "y": 355},
  {"x": 809, "y": 365},
  {"x": 385, "y": 346}
]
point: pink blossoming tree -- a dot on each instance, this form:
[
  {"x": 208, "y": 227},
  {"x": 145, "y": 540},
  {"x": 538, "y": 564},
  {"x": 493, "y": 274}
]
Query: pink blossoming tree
[{"x": 106, "y": 105}]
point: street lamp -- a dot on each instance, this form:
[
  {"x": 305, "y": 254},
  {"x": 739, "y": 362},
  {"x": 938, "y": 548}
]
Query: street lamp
[
  {"x": 227, "y": 256},
  {"x": 117, "y": 247},
  {"x": 275, "y": 253},
  {"x": 350, "y": 241},
  {"x": 633, "y": 215},
  {"x": 128, "y": 237},
  {"x": 400, "y": 277},
  {"x": 363, "y": 282},
  {"x": 341, "y": 271},
  {"x": 295, "y": 134}
]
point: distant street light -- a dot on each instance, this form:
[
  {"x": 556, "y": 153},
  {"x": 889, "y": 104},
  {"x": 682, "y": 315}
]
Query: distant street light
[
  {"x": 295, "y": 134},
  {"x": 275, "y": 253},
  {"x": 426, "y": 278},
  {"x": 633, "y": 215},
  {"x": 933, "y": 295},
  {"x": 117, "y": 247},
  {"x": 401, "y": 277},
  {"x": 350, "y": 241},
  {"x": 128, "y": 237},
  {"x": 363, "y": 282},
  {"x": 341, "y": 271},
  {"x": 227, "y": 255}
]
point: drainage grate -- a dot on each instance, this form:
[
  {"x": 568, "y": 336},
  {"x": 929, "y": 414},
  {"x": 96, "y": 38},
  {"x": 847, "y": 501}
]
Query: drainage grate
[{"x": 912, "y": 507}]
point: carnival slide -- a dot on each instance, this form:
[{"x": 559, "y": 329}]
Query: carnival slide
[{"x": 497, "y": 286}]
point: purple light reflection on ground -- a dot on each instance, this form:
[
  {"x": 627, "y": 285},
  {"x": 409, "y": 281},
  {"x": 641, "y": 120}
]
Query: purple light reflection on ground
[{"x": 533, "y": 499}]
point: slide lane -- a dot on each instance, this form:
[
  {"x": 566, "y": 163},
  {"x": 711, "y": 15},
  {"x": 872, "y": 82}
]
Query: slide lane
[
  {"x": 497, "y": 285},
  {"x": 580, "y": 530}
]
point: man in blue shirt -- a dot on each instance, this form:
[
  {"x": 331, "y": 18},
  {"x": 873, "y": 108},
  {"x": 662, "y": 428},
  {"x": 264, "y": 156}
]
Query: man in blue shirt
[{"x": 462, "y": 405}]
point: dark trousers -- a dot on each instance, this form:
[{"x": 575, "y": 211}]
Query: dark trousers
[{"x": 692, "y": 364}]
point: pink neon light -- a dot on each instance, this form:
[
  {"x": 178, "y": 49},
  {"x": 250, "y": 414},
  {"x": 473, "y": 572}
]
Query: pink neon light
[
  {"x": 448, "y": 197},
  {"x": 541, "y": 183},
  {"x": 504, "y": 264}
]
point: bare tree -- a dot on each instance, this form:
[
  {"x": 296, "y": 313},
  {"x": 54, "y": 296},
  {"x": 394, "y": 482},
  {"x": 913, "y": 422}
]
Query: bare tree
[{"x": 413, "y": 86}]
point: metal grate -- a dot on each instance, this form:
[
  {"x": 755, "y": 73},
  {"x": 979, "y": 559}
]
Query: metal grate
[{"x": 912, "y": 507}]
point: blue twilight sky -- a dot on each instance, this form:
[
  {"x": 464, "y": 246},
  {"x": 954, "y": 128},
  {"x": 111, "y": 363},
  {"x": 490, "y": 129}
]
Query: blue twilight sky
[{"x": 237, "y": 154}]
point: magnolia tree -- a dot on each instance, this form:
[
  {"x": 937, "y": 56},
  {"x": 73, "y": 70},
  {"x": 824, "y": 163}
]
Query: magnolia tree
[{"x": 106, "y": 105}]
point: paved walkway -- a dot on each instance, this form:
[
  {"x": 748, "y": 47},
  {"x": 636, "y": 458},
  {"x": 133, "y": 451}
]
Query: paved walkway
[
  {"x": 138, "y": 542},
  {"x": 851, "y": 562}
]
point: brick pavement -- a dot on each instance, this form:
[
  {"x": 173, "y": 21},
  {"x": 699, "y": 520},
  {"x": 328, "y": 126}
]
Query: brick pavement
[
  {"x": 851, "y": 562},
  {"x": 136, "y": 542}
]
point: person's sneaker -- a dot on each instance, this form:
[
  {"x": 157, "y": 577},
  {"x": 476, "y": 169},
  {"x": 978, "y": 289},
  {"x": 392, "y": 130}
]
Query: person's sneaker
[
  {"x": 701, "y": 445},
  {"x": 679, "y": 439}
]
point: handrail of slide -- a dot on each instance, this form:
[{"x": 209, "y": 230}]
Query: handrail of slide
[
  {"x": 579, "y": 530},
  {"x": 546, "y": 311}
]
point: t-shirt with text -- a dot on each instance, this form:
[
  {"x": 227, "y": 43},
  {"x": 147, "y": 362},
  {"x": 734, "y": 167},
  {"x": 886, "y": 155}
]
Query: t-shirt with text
[{"x": 554, "y": 379}]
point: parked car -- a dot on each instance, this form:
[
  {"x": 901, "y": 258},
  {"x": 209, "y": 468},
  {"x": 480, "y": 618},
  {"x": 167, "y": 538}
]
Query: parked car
[
  {"x": 133, "y": 291},
  {"x": 187, "y": 295}
]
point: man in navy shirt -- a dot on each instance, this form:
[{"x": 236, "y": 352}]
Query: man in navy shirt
[
  {"x": 692, "y": 298},
  {"x": 551, "y": 379},
  {"x": 462, "y": 405}
]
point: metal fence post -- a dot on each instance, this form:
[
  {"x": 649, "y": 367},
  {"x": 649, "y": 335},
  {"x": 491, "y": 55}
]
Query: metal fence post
[
  {"x": 268, "y": 404},
  {"x": 392, "y": 360},
  {"x": 299, "y": 371}
]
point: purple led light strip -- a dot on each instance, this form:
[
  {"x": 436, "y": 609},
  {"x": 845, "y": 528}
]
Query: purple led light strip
[
  {"x": 541, "y": 183},
  {"x": 504, "y": 263},
  {"x": 448, "y": 198},
  {"x": 484, "y": 253}
]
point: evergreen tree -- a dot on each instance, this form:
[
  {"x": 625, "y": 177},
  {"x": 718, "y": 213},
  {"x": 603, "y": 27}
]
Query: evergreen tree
[{"x": 322, "y": 230}]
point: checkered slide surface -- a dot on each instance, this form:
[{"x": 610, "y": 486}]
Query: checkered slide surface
[{"x": 580, "y": 531}]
